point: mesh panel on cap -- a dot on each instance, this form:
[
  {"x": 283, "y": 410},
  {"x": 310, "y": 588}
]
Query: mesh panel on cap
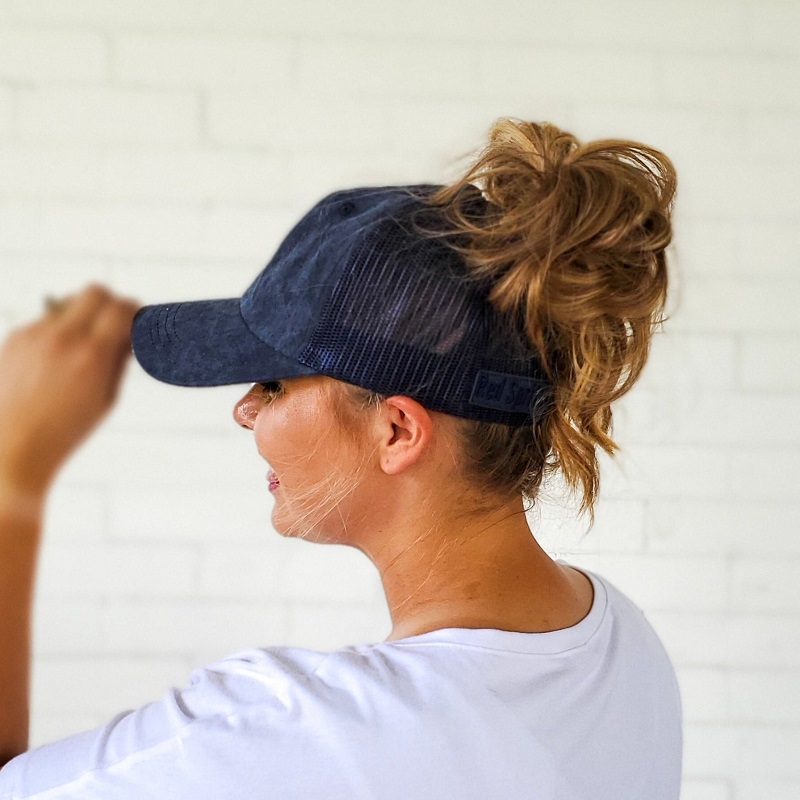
[{"x": 403, "y": 319}]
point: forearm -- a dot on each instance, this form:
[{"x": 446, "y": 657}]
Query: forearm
[
  {"x": 20, "y": 530},
  {"x": 59, "y": 376}
]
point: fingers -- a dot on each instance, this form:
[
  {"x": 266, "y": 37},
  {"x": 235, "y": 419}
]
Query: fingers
[
  {"x": 76, "y": 315},
  {"x": 113, "y": 320},
  {"x": 58, "y": 379},
  {"x": 94, "y": 327},
  {"x": 111, "y": 332},
  {"x": 94, "y": 311}
]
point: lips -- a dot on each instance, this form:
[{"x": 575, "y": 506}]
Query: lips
[{"x": 274, "y": 483}]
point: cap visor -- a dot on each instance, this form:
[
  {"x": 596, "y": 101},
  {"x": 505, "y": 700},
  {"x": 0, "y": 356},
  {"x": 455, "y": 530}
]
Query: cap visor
[{"x": 206, "y": 343}]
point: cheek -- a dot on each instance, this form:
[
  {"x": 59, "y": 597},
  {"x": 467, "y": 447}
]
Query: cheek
[
  {"x": 293, "y": 443},
  {"x": 319, "y": 497},
  {"x": 274, "y": 439}
]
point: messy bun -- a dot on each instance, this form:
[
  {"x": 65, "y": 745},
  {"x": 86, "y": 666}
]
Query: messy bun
[{"x": 574, "y": 242}]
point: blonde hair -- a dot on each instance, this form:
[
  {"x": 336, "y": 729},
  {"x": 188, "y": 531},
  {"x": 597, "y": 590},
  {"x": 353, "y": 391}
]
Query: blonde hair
[{"x": 573, "y": 243}]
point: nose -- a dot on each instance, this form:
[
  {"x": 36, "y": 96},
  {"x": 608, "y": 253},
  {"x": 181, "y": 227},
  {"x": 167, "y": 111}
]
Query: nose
[{"x": 246, "y": 410}]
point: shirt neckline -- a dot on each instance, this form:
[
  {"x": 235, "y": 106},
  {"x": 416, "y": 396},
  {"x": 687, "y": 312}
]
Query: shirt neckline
[{"x": 546, "y": 643}]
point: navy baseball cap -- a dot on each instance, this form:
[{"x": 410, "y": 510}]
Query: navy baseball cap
[{"x": 367, "y": 289}]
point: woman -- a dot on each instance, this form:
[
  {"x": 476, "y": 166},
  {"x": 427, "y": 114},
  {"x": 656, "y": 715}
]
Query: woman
[{"x": 422, "y": 357}]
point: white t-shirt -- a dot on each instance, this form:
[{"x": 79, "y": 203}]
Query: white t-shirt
[{"x": 591, "y": 712}]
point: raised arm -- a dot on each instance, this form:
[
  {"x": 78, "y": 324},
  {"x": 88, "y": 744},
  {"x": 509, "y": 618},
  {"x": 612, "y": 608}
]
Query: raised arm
[{"x": 58, "y": 378}]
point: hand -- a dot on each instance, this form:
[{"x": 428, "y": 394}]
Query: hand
[{"x": 59, "y": 376}]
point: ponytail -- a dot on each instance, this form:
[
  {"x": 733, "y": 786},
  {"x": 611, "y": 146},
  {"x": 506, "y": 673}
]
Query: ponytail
[{"x": 573, "y": 241}]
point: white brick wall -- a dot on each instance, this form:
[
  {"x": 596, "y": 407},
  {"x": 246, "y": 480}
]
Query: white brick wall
[
  {"x": 166, "y": 147},
  {"x": 31, "y": 55},
  {"x": 106, "y": 115}
]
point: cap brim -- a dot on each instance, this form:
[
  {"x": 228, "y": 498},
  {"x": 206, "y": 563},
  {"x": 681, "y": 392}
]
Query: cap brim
[{"x": 206, "y": 343}]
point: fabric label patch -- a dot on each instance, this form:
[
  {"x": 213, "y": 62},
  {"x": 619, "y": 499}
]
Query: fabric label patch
[{"x": 504, "y": 392}]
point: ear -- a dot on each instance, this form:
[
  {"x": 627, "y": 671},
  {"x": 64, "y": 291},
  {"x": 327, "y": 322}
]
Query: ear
[{"x": 406, "y": 432}]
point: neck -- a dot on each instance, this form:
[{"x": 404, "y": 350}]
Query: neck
[{"x": 481, "y": 571}]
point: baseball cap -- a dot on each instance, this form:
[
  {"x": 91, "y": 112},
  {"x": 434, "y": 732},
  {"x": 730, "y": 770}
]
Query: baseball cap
[{"x": 368, "y": 289}]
